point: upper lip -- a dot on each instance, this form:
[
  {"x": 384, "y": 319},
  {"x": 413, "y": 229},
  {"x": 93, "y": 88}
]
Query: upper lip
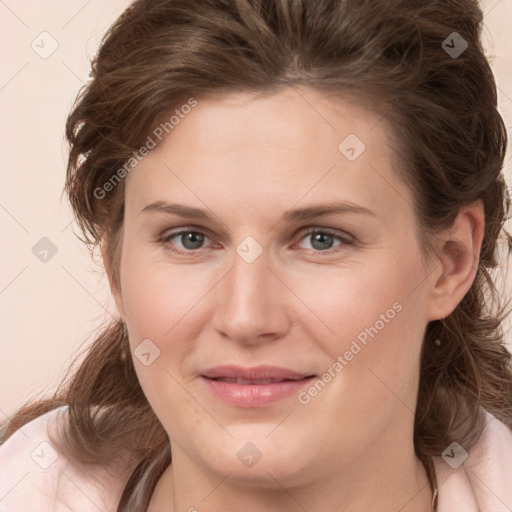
[{"x": 254, "y": 373}]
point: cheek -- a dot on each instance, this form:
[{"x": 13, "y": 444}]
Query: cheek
[
  {"x": 373, "y": 369},
  {"x": 161, "y": 305},
  {"x": 372, "y": 325},
  {"x": 383, "y": 300},
  {"x": 160, "y": 298}
]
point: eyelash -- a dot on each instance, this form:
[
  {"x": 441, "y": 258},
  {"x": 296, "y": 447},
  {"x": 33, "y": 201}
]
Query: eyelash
[{"x": 345, "y": 240}]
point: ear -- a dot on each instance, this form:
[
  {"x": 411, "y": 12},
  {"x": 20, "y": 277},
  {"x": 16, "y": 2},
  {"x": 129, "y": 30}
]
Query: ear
[
  {"x": 458, "y": 255},
  {"x": 116, "y": 292}
]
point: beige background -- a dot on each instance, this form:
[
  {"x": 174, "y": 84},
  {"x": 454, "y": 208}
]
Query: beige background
[{"x": 49, "y": 309}]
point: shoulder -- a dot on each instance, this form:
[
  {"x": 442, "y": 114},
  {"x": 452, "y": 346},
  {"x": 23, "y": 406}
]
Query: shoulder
[
  {"x": 479, "y": 480},
  {"x": 35, "y": 476}
]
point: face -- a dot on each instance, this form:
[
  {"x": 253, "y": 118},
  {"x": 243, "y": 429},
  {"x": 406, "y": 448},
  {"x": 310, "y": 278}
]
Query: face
[{"x": 279, "y": 329}]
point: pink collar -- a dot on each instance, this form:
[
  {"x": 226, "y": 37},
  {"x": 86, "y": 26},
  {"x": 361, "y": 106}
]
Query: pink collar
[{"x": 483, "y": 482}]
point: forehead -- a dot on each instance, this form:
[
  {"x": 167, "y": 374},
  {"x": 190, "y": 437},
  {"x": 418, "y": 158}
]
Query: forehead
[
  {"x": 239, "y": 149},
  {"x": 252, "y": 121}
]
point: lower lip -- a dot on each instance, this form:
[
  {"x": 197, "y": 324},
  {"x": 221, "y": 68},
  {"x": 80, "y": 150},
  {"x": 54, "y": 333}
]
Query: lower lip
[{"x": 255, "y": 395}]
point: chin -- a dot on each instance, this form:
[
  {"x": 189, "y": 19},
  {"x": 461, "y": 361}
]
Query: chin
[{"x": 259, "y": 461}]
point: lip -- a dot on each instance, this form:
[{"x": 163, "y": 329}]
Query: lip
[{"x": 254, "y": 387}]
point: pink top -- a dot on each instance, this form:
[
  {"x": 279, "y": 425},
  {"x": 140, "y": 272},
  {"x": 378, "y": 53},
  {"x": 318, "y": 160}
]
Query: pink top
[{"x": 34, "y": 477}]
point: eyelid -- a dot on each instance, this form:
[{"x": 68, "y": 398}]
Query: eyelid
[{"x": 342, "y": 235}]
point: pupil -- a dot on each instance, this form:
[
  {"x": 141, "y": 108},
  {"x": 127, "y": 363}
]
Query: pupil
[
  {"x": 320, "y": 237},
  {"x": 193, "y": 238}
]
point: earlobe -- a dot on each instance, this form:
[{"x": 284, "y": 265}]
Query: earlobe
[{"x": 458, "y": 253}]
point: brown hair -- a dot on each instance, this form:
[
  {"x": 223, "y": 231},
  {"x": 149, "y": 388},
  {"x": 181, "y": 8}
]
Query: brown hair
[{"x": 448, "y": 138}]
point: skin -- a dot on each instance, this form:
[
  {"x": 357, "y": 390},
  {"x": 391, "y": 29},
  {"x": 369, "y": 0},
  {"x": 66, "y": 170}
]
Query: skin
[{"x": 248, "y": 160}]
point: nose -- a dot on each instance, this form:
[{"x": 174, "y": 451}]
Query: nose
[{"x": 251, "y": 305}]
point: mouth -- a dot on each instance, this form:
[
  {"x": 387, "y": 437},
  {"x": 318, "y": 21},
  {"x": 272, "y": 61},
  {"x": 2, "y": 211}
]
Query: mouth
[
  {"x": 254, "y": 387},
  {"x": 259, "y": 382}
]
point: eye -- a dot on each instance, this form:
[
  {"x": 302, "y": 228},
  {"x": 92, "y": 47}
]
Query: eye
[
  {"x": 191, "y": 241},
  {"x": 322, "y": 239}
]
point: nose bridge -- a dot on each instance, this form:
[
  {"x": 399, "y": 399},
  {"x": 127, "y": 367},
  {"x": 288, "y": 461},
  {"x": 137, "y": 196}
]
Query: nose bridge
[{"x": 250, "y": 302}]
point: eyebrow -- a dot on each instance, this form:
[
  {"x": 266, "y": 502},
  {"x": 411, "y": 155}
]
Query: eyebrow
[{"x": 294, "y": 215}]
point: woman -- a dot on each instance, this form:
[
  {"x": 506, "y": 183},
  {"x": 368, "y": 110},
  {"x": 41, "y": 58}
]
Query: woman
[{"x": 297, "y": 205}]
